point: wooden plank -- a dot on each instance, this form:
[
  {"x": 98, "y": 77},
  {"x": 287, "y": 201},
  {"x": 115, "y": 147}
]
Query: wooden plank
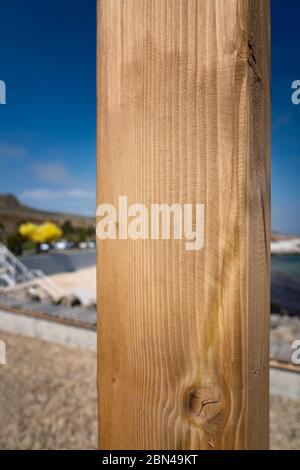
[{"x": 183, "y": 117}]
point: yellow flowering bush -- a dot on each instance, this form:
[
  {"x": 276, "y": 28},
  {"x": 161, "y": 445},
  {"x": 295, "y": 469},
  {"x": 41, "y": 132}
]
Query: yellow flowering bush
[
  {"x": 46, "y": 232},
  {"x": 27, "y": 230}
]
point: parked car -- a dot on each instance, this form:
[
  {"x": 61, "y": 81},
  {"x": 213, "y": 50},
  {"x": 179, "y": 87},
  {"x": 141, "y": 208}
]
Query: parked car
[
  {"x": 83, "y": 245},
  {"x": 43, "y": 248},
  {"x": 61, "y": 245}
]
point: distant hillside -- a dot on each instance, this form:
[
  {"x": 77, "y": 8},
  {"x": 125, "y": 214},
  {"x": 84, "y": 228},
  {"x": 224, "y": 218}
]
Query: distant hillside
[{"x": 13, "y": 212}]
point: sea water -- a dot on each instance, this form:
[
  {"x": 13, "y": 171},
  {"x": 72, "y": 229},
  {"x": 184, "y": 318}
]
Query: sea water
[{"x": 285, "y": 283}]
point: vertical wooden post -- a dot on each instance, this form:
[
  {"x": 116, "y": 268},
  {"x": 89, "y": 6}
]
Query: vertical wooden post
[{"x": 183, "y": 117}]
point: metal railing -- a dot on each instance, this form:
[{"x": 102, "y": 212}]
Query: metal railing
[{"x": 14, "y": 274}]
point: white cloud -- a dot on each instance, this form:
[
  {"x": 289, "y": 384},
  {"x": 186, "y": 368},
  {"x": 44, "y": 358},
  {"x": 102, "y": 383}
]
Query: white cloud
[
  {"x": 52, "y": 172},
  {"x": 12, "y": 151},
  {"x": 54, "y": 195},
  {"x": 75, "y": 201}
]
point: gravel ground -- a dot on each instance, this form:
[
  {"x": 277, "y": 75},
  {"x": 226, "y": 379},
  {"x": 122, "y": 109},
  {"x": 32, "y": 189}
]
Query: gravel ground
[
  {"x": 48, "y": 399},
  {"x": 285, "y": 424},
  {"x": 48, "y": 396}
]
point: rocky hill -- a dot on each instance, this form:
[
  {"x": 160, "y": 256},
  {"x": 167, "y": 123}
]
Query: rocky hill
[{"x": 13, "y": 212}]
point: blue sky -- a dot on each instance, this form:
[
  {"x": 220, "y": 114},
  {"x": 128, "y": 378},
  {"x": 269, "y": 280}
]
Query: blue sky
[
  {"x": 47, "y": 127},
  {"x": 285, "y": 116}
]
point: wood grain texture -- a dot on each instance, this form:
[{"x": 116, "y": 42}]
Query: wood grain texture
[{"x": 183, "y": 117}]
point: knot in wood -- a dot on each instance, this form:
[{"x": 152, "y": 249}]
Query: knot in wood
[{"x": 204, "y": 402}]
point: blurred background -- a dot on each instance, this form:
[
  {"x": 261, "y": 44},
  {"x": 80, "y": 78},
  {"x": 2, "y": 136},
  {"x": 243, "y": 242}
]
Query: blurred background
[{"x": 47, "y": 227}]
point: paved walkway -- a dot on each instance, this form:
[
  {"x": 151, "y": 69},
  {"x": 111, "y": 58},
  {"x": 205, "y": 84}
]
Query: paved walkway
[{"x": 64, "y": 261}]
